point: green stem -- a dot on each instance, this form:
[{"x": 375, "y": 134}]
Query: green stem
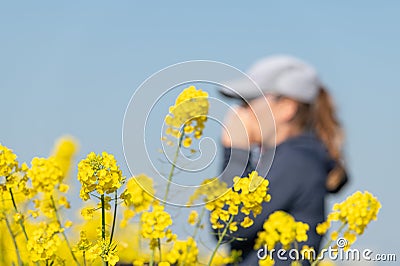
[
  {"x": 63, "y": 233},
  {"x": 140, "y": 230},
  {"x": 196, "y": 230},
  {"x": 21, "y": 223},
  {"x": 220, "y": 239},
  {"x": 103, "y": 221},
  {"x": 84, "y": 258},
  {"x": 171, "y": 172},
  {"x": 314, "y": 263},
  {"x": 14, "y": 241},
  {"x": 152, "y": 257},
  {"x": 114, "y": 218},
  {"x": 103, "y": 218},
  {"x": 159, "y": 249}
]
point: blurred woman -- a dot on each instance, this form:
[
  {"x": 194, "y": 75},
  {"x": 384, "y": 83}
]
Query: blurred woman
[{"x": 293, "y": 119}]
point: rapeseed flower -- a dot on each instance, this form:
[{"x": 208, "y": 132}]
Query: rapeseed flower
[
  {"x": 64, "y": 152},
  {"x": 354, "y": 214},
  {"x": 281, "y": 228},
  {"x": 183, "y": 252},
  {"x": 44, "y": 242},
  {"x": 155, "y": 223},
  {"x": 187, "y": 116},
  {"x": 99, "y": 173},
  {"x": 8, "y": 161},
  {"x": 45, "y": 174},
  {"x": 137, "y": 197},
  {"x": 193, "y": 217},
  {"x": 246, "y": 196}
]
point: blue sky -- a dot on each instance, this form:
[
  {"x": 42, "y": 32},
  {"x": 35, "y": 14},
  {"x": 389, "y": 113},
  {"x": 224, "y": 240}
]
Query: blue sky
[{"x": 72, "y": 67}]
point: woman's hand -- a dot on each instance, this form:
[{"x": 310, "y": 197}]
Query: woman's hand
[{"x": 241, "y": 129}]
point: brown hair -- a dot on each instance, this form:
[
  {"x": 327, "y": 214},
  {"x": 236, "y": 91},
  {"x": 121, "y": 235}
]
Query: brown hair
[{"x": 321, "y": 118}]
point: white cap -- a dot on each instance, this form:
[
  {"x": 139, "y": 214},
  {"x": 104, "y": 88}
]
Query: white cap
[{"x": 283, "y": 75}]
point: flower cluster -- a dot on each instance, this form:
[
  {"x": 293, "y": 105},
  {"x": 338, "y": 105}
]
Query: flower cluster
[
  {"x": 155, "y": 224},
  {"x": 104, "y": 250},
  {"x": 44, "y": 242},
  {"x": 32, "y": 228},
  {"x": 209, "y": 190},
  {"x": 64, "y": 153},
  {"x": 13, "y": 173},
  {"x": 222, "y": 259},
  {"x": 183, "y": 252},
  {"x": 45, "y": 174},
  {"x": 188, "y": 115},
  {"x": 246, "y": 196},
  {"x": 354, "y": 214},
  {"x": 252, "y": 191},
  {"x": 281, "y": 228},
  {"x": 193, "y": 218},
  {"x": 8, "y": 161},
  {"x": 138, "y": 196},
  {"x": 99, "y": 173}
]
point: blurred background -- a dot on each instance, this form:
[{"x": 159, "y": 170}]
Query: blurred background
[{"x": 71, "y": 68}]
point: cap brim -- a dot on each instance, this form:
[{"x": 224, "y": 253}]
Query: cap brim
[{"x": 244, "y": 89}]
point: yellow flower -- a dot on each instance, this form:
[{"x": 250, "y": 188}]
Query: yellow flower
[
  {"x": 137, "y": 196},
  {"x": 155, "y": 223},
  {"x": 44, "y": 242},
  {"x": 357, "y": 211},
  {"x": 268, "y": 261},
  {"x": 68, "y": 224},
  {"x": 64, "y": 202},
  {"x": 193, "y": 216},
  {"x": 354, "y": 214},
  {"x": 247, "y": 222},
  {"x": 282, "y": 228},
  {"x": 112, "y": 258},
  {"x": 183, "y": 253},
  {"x": 99, "y": 173},
  {"x": 209, "y": 190},
  {"x": 102, "y": 249},
  {"x": 83, "y": 243},
  {"x": 351, "y": 237},
  {"x": 252, "y": 191},
  {"x": 64, "y": 152},
  {"x": 334, "y": 235},
  {"x": 8, "y": 161},
  {"x": 33, "y": 213},
  {"x": 323, "y": 227},
  {"x": 45, "y": 174},
  {"x": 138, "y": 263},
  {"x": 87, "y": 213},
  {"x": 63, "y": 188},
  {"x": 188, "y": 115},
  {"x": 18, "y": 217},
  {"x": 187, "y": 142},
  {"x": 233, "y": 227},
  {"x": 244, "y": 197}
]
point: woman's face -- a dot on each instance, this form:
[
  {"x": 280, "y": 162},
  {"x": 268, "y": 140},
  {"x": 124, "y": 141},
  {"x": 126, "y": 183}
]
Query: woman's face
[
  {"x": 263, "y": 108},
  {"x": 272, "y": 113}
]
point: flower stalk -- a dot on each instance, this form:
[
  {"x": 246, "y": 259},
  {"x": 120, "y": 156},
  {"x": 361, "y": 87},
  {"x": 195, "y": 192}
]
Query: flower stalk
[
  {"x": 220, "y": 239},
  {"x": 171, "y": 173},
  {"x": 14, "y": 240},
  {"x": 62, "y": 232}
]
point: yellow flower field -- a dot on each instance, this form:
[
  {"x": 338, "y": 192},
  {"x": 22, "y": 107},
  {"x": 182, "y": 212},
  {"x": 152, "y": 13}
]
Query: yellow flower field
[{"x": 35, "y": 231}]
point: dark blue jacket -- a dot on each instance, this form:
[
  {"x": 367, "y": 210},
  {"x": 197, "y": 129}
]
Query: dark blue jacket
[{"x": 297, "y": 174}]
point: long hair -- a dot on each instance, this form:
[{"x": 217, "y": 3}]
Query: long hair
[{"x": 322, "y": 119}]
